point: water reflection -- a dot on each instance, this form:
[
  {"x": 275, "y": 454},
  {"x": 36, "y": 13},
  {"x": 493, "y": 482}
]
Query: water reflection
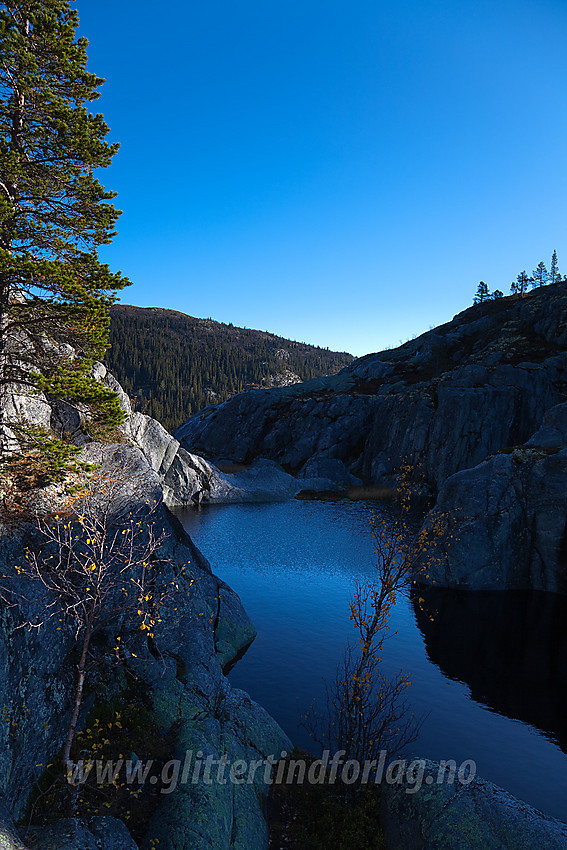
[
  {"x": 509, "y": 648},
  {"x": 484, "y": 661}
]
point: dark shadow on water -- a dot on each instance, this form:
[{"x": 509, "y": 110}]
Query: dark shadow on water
[{"x": 509, "y": 647}]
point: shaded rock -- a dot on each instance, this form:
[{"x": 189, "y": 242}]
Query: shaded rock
[
  {"x": 233, "y": 630},
  {"x": 330, "y": 469},
  {"x": 36, "y": 679},
  {"x": 201, "y": 629},
  {"x": 101, "y": 372},
  {"x": 508, "y": 517},
  {"x": 67, "y": 422},
  {"x": 452, "y": 816},
  {"x": 263, "y": 481},
  {"x": 9, "y": 838},
  {"x": 553, "y": 432},
  {"x": 447, "y": 399},
  {"x": 186, "y": 478},
  {"x": 21, "y": 404},
  {"x": 99, "y": 833},
  {"x": 214, "y": 814},
  {"x": 182, "y": 474}
]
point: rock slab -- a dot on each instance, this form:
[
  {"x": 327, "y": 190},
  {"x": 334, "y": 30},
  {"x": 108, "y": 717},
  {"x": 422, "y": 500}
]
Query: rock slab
[{"x": 452, "y": 816}]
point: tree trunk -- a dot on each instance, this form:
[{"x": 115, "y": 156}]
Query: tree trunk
[
  {"x": 79, "y": 691},
  {"x": 10, "y": 189}
]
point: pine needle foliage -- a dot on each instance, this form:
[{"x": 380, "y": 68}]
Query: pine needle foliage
[
  {"x": 173, "y": 365},
  {"x": 54, "y": 213}
]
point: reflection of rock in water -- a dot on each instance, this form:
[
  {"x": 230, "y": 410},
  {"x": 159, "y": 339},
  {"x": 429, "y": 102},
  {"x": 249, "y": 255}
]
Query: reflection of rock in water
[{"x": 509, "y": 647}]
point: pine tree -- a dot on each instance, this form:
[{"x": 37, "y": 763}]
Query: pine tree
[
  {"x": 554, "y": 276},
  {"x": 540, "y": 276},
  {"x": 482, "y": 293},
  {"x": 54, "y": 291},
  {"x": 497, "y": 294},
  {"x": 520, "y": 285}
]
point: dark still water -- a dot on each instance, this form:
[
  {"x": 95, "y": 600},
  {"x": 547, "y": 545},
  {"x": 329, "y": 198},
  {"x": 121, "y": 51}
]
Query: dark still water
[{"x": 490, "y": 668}]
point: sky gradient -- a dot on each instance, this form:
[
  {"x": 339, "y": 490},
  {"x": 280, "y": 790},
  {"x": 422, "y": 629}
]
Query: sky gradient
[{"x": 340, "y": 173}]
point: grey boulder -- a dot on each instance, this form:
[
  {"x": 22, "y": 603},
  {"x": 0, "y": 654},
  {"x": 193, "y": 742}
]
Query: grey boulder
[
  {"x": 453, "y": 816},
  {"x": 99, "y": 833},
  {"x": 508, "y": 517}
]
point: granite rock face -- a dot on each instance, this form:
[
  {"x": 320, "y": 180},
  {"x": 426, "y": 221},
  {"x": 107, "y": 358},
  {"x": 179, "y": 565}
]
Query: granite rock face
[
  {"x": 182, "y": 475},
  {"x": 508, "y": 516},
  {"x": 478, "y": 403},
  {"x": 455, "y": 816},
  {"x": 8, "y": 832},
  {"x": 201, "y": 630},
  {"x": 186, "y": 478},
  {"x": 206, "y": 630},
  {"x": 447, "y": 399},
  {"x": 99, "y": 833}
]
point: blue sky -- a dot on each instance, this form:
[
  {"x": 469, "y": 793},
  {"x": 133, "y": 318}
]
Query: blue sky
[{"x": 341, "y": 173}]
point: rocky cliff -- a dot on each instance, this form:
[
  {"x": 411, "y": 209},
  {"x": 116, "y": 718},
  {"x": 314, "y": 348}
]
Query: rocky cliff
[
  {"x": 449, "y": 398},
  {"x": 186, "y": 478},
  {"x": 450, "y": 816},
  {"x": 460, "y": 401},
  {"x": 508, "y": 516},
  {"x": 175, "y": 680}
]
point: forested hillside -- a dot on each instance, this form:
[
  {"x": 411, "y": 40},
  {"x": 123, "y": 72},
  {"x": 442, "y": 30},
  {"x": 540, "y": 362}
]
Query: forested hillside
[{"x": 173, "y": 364}]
